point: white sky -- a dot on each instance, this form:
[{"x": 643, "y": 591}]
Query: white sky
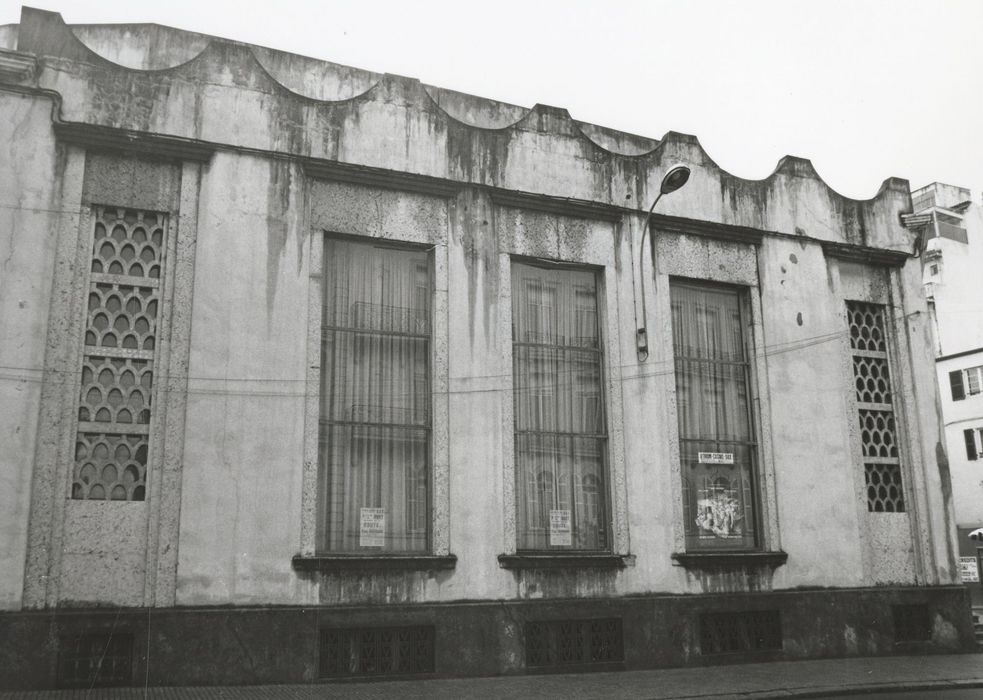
[{"x": 865, "y": 89}]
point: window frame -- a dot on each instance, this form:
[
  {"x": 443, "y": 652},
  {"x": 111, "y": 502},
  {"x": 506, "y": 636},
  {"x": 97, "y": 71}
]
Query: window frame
[
  {"x": 614, "y": 291},
  {"x": 437, "y": 554},
  {"x": 601, "y": 400},
  {"x": 973, "y": 437},
  {"x": 967, "y": 382},
  {"x": 322, "y": 505},
  {"x": 755, "y": 445}
]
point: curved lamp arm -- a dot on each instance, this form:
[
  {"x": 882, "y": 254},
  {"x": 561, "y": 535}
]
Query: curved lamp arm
[{"x": 674, "y": 178}]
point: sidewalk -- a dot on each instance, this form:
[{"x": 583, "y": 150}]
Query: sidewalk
[{"x": 782, "y": 679}]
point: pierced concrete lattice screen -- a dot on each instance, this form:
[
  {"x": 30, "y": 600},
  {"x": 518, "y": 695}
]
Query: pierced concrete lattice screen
[
  {"x": 878, "y": 433},
  {"x": 118, "y": 359}
]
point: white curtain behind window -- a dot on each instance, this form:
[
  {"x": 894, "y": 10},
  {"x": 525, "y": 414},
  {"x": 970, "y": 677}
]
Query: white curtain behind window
[
  {"x": 375, "y": 399},
  {"x": 716, "y": 445},
  {"x": 560, "y": 433}
]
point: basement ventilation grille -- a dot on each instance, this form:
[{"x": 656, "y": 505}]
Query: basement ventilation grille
[
  {"x": 377, "y": 651},
  {"x": 742, "y": 631},
  {"x": 574, "y": 642},
  {"x": 95, "y": 660},
  {"x": 911, "y": 623}
]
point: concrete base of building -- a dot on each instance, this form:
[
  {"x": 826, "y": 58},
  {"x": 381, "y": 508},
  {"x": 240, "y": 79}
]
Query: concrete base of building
[{"x": 277, "y": 645}]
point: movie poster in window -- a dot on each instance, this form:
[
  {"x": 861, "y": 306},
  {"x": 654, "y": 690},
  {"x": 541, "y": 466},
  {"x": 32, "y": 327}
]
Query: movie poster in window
[{"x": 718, "y": 507}]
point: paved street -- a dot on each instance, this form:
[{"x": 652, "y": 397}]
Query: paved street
[{"x": 932, "y": 676}]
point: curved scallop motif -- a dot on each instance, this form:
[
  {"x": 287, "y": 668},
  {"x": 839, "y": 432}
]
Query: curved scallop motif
[
  {"x": 128, "y": 243},
  {"x": 121, "y": 316},
  {"x": 328, "y": 84},
  {"x": 146, "y": 47},
  {"x": 110, "y": 467},
  {"x": 315, "y": 79},
  {"x": 476, "y": 112},
  {"x": 115, "y": 390},
  {"x": 617, "y": 142}
]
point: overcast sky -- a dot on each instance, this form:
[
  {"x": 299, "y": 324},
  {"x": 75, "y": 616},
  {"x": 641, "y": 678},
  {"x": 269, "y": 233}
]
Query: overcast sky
[{"x": 865, "y": 89}]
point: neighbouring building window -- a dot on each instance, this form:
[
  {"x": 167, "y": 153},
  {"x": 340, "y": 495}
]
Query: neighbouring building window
[
  {"x": 974, "y": 443},
  {"x": 716, "y": 434},
  {"x": 375, "y": 417},
  {"x": 966, "y": 382},
  {"x": 560, "y": 426},
  {"x": 878, "y": 431},
  {"x": 118, "y": 357}
]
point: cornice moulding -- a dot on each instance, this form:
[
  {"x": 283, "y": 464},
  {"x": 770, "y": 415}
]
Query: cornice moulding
[
  {"x": 863, "y": 254},
  {"x": 337, "y": 171},
  {"x": 95, "y": 137},
  {"x": 16, "y": 67}
]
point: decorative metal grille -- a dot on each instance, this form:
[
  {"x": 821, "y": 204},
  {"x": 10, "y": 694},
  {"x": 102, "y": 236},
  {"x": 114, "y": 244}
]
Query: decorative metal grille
[
  {"x": 95, "y": 660},
  {"x": 884, "y": 491},
  {"x": 878, "y": 432},
  {"x": 911, "y": 623},
  {"x": 118, "y": 361},
  {"x": 574, "y": 642},
  {"x": 741, "y": 631},
  {"x": 377, "y": 651}
]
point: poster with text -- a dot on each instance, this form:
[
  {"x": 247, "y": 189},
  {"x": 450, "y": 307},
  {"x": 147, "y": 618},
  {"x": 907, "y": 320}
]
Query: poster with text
[
  {"x": 372, "y": 527},
  {"x": 968, "y": 570},
  {"x": 560, "y": 534}
]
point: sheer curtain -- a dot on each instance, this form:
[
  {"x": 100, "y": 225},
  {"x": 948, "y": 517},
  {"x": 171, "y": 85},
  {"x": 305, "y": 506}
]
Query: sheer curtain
[
  {"x": 375, "y": 399},
  {"x": 716, "y": 444},
  {"x": 560, "y": 434}
]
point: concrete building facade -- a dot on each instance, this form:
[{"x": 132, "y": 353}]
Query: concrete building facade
[
  {"x": 311, "y": 372},
  {"x": 951, "y": 262}
]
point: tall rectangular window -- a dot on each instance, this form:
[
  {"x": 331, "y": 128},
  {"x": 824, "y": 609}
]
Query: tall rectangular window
[
  {"x": 878, "y": 432},
  {"x": 716, "y": 435},
  {"x": 375, "y": 425},
  {"x": 560, "y": 427}
]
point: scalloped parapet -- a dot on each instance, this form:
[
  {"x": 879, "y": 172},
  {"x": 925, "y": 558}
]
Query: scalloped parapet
[
  {"x": 169, "y": 83},
  {"x": 141, "y": 46}
]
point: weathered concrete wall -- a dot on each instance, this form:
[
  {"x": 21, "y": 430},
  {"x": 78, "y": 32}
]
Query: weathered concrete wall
[
  {"x": 8, "y": 36},
  {"x": 808, "y": 387},
  {"x": 228, "y": 93},
  {"x": 244, "y": 463},
  {"x": 278, "y": 646},
  {"x": 240, "y": 510},
  {"x": 30, "y": 210}
]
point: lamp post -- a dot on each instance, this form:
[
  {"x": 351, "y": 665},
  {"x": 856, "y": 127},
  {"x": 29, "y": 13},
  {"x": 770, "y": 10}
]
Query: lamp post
[{"x": 674, "y": 178}]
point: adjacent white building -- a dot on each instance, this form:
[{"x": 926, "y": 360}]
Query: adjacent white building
[{"x": 953, "y": 276}]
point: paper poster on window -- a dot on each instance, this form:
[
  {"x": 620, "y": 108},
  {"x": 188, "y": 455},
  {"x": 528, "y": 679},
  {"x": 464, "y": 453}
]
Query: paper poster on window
[
  {"x": 716, "y": 457},
  {"x": 372, "y": 528},
  {"x": 718, "y": 508},
  {"x": 560, "y": 528},
  {"x": 968, "y": 570}
]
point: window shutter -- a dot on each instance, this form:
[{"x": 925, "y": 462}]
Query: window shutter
[
  {"x": 970, "y": 444},
  {"x": 956, "y": 383}
]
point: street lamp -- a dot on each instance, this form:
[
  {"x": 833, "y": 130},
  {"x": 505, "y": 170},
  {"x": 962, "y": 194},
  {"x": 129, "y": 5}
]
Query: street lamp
[{"x": 674, "y": 178}]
